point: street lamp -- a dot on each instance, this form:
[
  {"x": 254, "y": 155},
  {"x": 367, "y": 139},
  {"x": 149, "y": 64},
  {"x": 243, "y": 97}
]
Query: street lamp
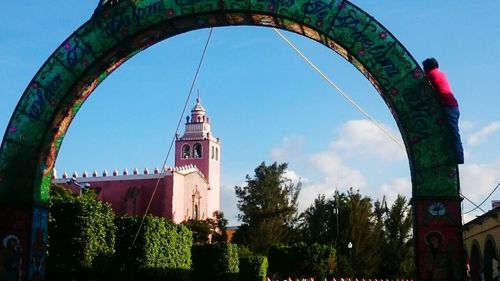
[
  {"x": 83, "y": 187},
  {"x": 350, "y": 259}
]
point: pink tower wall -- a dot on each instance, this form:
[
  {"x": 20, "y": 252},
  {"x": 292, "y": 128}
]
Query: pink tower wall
[
  {"x": 198, "y": 131},
  {"x": 208, "y": 166},
  {"x": 183, "y": 190}
]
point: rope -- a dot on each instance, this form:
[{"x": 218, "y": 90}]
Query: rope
[
  {"x": 384, "y": 130},
  {"x": 477, "y": 207},
  {"x": 171, "y": 144}
]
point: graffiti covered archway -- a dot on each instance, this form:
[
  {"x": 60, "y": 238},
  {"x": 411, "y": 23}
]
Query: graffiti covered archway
[{"x": 118, "y": 31}]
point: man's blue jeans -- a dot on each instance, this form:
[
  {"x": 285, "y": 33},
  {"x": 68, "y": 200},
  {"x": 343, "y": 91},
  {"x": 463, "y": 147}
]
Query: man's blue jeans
[{"x": 452, "y": 114}]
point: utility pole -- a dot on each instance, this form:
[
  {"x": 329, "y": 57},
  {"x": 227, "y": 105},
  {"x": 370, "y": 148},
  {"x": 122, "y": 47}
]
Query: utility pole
[
  {"x": 350, "y": 260},
  {"x": 336, "y": 211}
]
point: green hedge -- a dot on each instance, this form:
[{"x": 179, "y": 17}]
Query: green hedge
[
  {"x": 302, "y": 261},
  {"x": 253, "y": 268},
  {"x": 81, "y": 235},
  {"x": 162, "y": 249},
  {"x": 218, "y": 261}
]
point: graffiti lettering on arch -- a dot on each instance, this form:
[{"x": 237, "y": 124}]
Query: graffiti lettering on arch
[
  {"x": 120, "y": 21},
  {"x": 44, "y": 95},
  {"x": 377, "y": 51}
]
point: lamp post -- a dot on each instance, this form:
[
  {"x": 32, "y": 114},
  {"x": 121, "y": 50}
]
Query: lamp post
[
  {"x": 350, "y": 259},
  {"x": 336, "y": 212}
]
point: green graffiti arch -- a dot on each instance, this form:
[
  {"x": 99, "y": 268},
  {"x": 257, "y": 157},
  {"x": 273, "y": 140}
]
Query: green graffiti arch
[{"x": 120, "y": 30}]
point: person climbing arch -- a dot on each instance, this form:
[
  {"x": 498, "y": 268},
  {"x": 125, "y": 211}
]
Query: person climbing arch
[{"x": 441, "y": 85}]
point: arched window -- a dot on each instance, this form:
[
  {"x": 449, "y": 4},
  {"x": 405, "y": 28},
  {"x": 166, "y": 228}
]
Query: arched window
[
  {"x": 186, "y": 151},
  {"x": 216, "y": 154},
  {"x": 475, "y": 263},
  {"x": 213, "y": 152},
  {"x": 197, "y": 150},
  {"x": 490, "y": 266}
]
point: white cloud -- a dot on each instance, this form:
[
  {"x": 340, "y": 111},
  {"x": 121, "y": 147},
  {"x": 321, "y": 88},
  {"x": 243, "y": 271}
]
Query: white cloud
[
  {"x": 466, "y": 125},
  {"x": 363, "y": 138},
  {"x": 311, "y": 190},
  {"x": 333, "y": 169},
  {"x": 228, "y": 202},
  {"x": 294, "y": 177},
  {"x": 483, "y": 134},
  {"x": 333, "y": 173},
  {"x": 291, "y": 148},
  {"x": 478, "y": 180},
  {"x": 326, "y": 167},
  {"x": 393, "y": 188}
]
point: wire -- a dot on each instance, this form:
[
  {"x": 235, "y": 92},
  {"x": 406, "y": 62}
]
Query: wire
[
  {"x": 384, "y": 130},
  {"x": 171, "y": 144},
  {"x": 478, "y": 206}
]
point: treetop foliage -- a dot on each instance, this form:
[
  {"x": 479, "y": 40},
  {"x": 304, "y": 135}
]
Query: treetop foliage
[{"x": 268, "y": 206}]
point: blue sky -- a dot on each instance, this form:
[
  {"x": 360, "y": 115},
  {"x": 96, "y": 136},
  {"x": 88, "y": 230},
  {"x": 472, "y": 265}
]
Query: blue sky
[{"x": 266, "y": 103}]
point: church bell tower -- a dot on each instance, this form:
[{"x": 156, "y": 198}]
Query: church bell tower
[{"x": 198, "y": 147}]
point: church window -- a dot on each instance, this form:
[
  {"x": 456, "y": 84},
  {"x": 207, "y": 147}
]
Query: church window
[
  {"x": 186, "y": 151},
  {"x": 197, "y": 150},
  {"x": 213, "y": 152},
  {"x": 216, "y": 154}
]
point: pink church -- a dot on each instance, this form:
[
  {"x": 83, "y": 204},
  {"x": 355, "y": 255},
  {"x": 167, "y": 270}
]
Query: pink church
[{"x": 189, "y": 190}]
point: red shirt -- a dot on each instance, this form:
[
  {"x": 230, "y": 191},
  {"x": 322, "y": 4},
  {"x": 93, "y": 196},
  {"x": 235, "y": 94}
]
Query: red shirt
[{"x": 442, "y": 86}]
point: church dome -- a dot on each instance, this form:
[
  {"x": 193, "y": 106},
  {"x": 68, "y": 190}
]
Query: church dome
[{"x": 198, "y": 106}]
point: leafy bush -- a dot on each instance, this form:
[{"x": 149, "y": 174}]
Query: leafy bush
[
  {"x": 162, "y": 249},
  {"x": 81, "y": 234},
  {"x": 253, "y": 268},
  {"x": 301, "y": 261},
  {"x": 218, "y": 261},
  {"x": 282, "y": 262}
]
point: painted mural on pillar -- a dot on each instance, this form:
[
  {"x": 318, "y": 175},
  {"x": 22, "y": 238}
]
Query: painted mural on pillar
[
  {"x": 38, "y": 244},
  {"x": 439, "y": 247},
  {"x": 120, "y": 29},
  {"x": 14, "y": 239}
]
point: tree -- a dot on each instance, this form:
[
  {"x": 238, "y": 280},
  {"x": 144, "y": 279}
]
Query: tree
[
  {"x": 268, "y": 206},
  {"x": 346, "y": 217},
  {"x": 398, "y": 245},
  {"x": 201, "y": 230},
  {"x": 381, "y": 236},
  {"x": 219, "y": 233},
  {"x": 210, "y": 229},
  {"x": 364, "y": 234},
  {"x": 81, "y": 233},
  {"x": 318, "y": 222}
]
